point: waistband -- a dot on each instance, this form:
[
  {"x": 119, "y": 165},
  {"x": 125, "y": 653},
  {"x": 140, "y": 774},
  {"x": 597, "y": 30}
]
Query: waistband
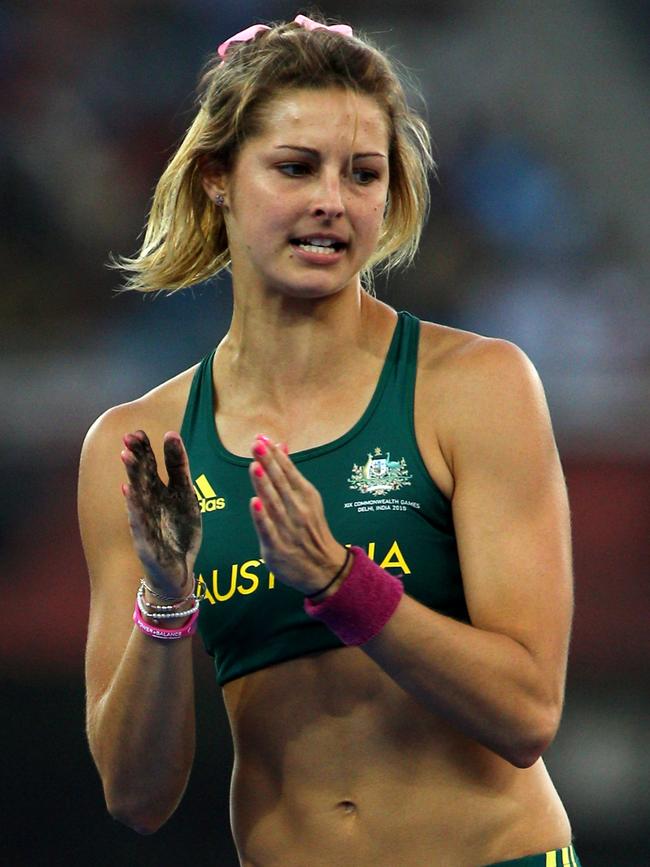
[{"x": 565, "y": 857}]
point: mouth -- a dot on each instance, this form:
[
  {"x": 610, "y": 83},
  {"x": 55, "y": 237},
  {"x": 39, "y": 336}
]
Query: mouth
[{"x": 319, "y": 245}]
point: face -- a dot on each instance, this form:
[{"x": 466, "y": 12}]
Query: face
[{"x": 305, "y": 200}]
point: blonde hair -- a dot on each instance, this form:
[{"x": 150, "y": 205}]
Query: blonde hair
[{"x": 185, "y": 239}]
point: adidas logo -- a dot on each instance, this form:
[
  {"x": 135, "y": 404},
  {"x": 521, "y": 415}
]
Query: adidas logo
[{"x": 207, "y": 496}]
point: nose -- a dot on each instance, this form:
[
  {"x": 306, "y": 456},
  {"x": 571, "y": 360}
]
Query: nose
[{"x": 328, "y": 198}]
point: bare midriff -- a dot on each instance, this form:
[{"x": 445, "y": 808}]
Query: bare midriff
[{"x": 337, "y": 766}]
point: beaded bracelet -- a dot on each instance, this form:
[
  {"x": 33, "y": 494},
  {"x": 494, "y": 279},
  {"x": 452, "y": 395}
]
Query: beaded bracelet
[
  {"x": 173, "y": 599},
  {"x": 173, "y": 607},
  {"x": 145, "y": 606}
]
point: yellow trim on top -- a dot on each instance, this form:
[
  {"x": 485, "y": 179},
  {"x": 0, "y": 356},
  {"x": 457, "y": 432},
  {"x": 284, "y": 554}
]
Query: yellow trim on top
[
  {"x": 551, "y": 859},
  {"x": 572, "y": 853},
  {"x": 565, "y": 857}
]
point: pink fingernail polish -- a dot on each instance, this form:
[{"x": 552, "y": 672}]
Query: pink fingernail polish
[
  {"x": 257, "y": 504},
  {"x": 263, "y": 437},
  {"x": 259, "y": 471},
  {"x": 285, "y": 448},
  {"x": 260, "y": 449}
]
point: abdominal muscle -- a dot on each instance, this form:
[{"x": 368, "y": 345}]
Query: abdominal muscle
[{"x": 337, "y": 766}]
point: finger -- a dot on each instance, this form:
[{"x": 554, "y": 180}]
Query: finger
[
  {"x": 137, "y": 442},
  {"x": 298, "y": 494},
  {"x": 137, "y": 518},
  {"x": 145, "y": 452},
  {"x": 278, "y": 454},
  {"x": 132, "y": 506},
  {"x": 267, "y": 492},
  {"x": 267, "y": 455},
  {"x": 263, "y": 524},
  {"x": 176, "y": 461},
  {"x": 291, "y": 472},
  {"x": 132, "y": 464},
  {"x": 142, "y": 437},
  {"x": 143, "y": 468},
  {"x": 301, "y": 500}
]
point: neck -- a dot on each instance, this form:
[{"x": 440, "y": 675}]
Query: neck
[{"x": 280, "y": 347}]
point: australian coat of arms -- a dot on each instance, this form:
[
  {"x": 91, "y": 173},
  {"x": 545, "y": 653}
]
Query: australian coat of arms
[{"x": 379, "y": 475}]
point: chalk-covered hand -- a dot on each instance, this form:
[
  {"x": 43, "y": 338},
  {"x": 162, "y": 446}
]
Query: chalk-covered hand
[{"x": 165, "y": 520}]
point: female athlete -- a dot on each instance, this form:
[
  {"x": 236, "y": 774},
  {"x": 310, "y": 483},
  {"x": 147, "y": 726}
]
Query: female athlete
[{"x": 364, "y": 514}]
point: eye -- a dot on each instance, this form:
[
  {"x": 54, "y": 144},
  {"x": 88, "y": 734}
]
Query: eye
[
  {"x": 364, "y": 176},
  {"x": 294, "y": 170}
]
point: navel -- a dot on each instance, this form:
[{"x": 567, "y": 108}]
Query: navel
[{"x": 348, "y": 808}]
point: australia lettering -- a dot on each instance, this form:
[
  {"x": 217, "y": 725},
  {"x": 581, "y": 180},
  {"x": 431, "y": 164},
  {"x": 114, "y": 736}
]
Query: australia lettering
[
  {"x": 243, "y": 579},
  {"x": 252, "y": 575}
]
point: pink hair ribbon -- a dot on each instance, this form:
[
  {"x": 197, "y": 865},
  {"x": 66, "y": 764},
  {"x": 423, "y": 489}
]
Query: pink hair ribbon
[
  {"x": 251, "y": 32},
  {"x": 308, "y": 24},
  {"x": 245, "y": 36}
]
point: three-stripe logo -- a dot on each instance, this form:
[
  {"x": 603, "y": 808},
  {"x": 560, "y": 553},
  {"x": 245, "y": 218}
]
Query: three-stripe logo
[{"x": 207, "y": 496}]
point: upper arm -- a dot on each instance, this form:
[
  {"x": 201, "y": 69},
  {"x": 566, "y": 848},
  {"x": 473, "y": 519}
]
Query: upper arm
[
  {"x": 510, "y": 504},
  {"x": 113, "y": 567}
]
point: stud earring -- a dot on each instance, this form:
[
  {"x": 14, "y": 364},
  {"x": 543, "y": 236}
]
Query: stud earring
[{"x": 219, "y": 200}]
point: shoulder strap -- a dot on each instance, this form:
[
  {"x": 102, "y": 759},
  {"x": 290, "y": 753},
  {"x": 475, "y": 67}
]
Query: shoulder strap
[
  {"x": 199, "y": 403},
  {"x": 401, "y": 386}
]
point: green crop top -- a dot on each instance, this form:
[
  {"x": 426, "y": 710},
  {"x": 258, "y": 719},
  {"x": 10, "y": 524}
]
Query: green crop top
[{"x": 377, "y": 494}]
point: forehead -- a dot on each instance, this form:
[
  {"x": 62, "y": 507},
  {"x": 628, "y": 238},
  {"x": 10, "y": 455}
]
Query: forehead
[{"x": 322, "y": 116}]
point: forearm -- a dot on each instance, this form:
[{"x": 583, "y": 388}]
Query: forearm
[
  {"x": 142, "y": 731},
  {"x": 486, "y": 684}
]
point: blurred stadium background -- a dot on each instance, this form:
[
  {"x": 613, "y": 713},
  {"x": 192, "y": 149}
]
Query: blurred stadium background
[{"x": 539, "y": 232}]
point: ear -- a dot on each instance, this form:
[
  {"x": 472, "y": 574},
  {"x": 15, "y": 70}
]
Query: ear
[{"x": 214, "y": 177}]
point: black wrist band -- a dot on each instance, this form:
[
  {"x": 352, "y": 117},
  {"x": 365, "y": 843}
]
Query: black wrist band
[{"x": 348, "y": 554}]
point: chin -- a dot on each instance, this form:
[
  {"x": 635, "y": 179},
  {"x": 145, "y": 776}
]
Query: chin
[{"x": 312, "y": 289}]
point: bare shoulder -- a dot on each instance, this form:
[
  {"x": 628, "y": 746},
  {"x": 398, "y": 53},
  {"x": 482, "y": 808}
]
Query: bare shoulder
[
  {"x": 474, "y": 390},
  {"x": 155, "y": 412},
  {"x": 452, "y": 352},
  {"x": 463, "y": 369}
]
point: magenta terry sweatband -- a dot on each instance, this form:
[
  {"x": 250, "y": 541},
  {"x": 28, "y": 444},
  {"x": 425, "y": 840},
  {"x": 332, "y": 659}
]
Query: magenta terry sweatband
[{"x": 363, "y": 604}]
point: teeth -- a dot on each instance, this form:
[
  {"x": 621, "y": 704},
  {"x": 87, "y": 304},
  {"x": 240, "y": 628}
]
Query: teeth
[
  {"x": 314, "y": 248},
  {"x": 320, "y": 242}
]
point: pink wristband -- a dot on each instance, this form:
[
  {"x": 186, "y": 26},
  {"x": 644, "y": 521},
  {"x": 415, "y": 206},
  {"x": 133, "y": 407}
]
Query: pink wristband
[
  {"x": 362, "y": 605},
  {"x": 169, "y": 634}
]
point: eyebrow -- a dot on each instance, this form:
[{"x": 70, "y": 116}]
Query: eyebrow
[{"x": 314, "y": 153}]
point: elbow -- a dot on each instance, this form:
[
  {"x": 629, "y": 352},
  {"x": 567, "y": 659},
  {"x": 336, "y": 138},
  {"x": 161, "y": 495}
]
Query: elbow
[
  {"x": 534, "y": 740},
  {"x": 140, "y": 817},
  {"x": 525, "y": 755},
  {"x": 142, "y": 805}
]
